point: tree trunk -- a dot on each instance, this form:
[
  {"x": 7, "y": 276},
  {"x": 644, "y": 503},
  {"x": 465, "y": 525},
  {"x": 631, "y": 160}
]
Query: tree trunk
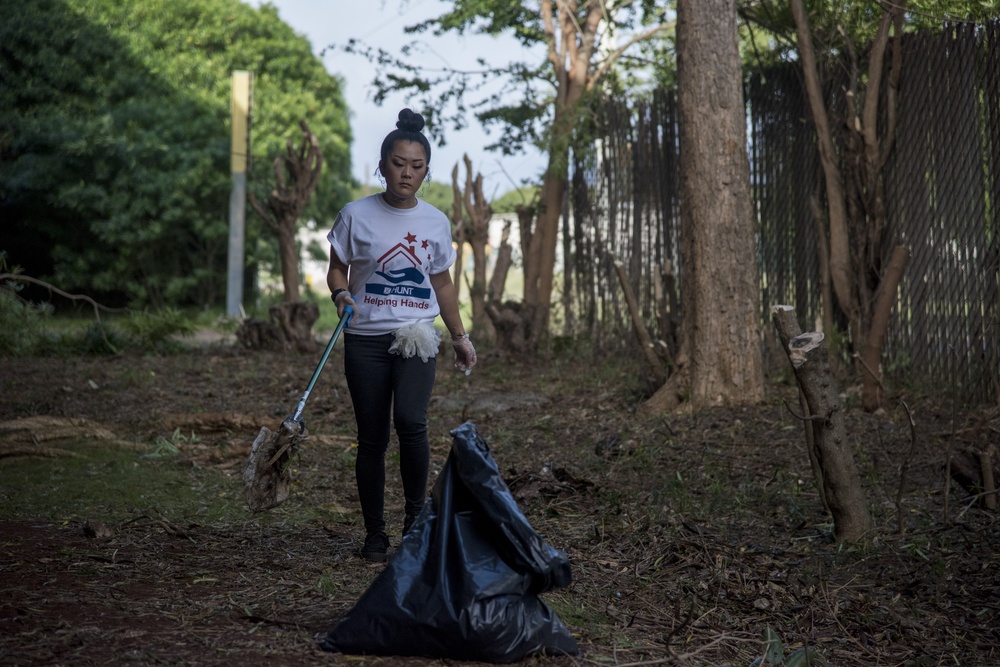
[
  {"x": 823, "y": 267},
  {"x": 296, "y": 175},
  {"x": 507, "y": 318},
  {"x": 841, "y": 274},
  {"x": 871, "y": 382},
  {"x": 477, "y": 233},
  {"x": 843, "y": 490},
  {"x": 288, "y": 251},
  {"x": 504, "y": 260},
  {"x": 459, "y": 230},
  {"x": 571, "y": 36},
  {"x": 481, "y": 323},
  {"x": 541, "y": 261},
  {"x": 855, "y": 184},
  {"x": 720, "y": 294}
]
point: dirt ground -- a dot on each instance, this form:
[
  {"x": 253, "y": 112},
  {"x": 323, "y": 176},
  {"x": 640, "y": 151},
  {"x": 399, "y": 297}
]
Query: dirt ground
[{"x": 689, "y": 535}]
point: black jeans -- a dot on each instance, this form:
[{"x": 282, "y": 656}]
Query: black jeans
[{"x": 385, "y": 385}]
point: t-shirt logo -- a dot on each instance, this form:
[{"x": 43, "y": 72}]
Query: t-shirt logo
[{"x": 401, "y": 269}]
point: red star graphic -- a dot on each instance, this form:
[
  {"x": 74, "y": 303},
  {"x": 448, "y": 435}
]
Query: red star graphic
[
  {"x": 424, "y": 244},
  {"x": 410, "y": 238}
]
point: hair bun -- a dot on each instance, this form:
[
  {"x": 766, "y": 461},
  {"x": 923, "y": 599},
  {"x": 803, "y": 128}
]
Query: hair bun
[{"x": 410, "y": 121}]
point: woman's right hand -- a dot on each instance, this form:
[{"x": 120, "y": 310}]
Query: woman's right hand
[{"x": 342, "y": 300}]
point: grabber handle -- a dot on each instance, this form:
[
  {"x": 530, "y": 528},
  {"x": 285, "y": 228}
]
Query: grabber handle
[{"x": 344, "y": 321}]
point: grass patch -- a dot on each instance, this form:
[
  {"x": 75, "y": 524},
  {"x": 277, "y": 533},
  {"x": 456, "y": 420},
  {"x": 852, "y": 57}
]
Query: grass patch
[
  {"x": 32, "y": 330},
  {"x": 112, "y": 485}
]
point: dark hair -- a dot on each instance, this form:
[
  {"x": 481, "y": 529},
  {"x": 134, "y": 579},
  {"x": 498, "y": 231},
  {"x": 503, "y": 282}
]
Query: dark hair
[{"x": 407, "y": 129}]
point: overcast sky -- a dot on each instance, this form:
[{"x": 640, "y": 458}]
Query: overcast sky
[{"x": 380, "y": 23}]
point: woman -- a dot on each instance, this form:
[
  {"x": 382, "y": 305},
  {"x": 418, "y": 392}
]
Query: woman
[{"x": 389, "y": 260}]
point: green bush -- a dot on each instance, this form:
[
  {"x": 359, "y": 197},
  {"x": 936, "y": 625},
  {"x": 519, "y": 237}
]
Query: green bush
[
  {"x": 156, "y": 331},
  {"x": 97, "y": 339}
]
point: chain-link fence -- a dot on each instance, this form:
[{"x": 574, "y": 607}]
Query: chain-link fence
[{"x": 942, "y": 198}]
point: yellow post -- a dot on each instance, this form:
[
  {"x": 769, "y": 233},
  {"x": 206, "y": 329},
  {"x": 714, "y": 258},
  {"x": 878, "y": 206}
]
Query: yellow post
[{"x": 242, "y": 98}]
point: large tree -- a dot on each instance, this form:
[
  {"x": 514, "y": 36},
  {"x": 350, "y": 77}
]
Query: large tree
[
  {"x": 580, "y": 42},
  {"x": 114, "y": 139},
  {"x": 720, "y": 357}
]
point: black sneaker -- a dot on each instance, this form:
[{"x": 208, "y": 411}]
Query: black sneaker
[
  {"x": 376, "y": 548},
  {"x": 407, "y": 522}
]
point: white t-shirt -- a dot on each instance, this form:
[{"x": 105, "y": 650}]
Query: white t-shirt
[{"x": 391, "y": 254}]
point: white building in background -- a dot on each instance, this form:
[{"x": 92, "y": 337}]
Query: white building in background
[{"x": 314, "y": 270}]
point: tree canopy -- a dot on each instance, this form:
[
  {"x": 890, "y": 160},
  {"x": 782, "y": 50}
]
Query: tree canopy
[
  {"x": 114, "y": 139},
  {"x": 515, "y": 98},
  {"x": 769, "y": 28}
]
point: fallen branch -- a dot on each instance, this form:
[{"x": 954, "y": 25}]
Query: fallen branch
[
  {"x": 73, "y": 297},
  {"x": 645, "y": 341}
]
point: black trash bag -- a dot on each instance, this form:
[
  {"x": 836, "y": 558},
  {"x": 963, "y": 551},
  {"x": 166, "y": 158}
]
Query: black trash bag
[{"x": 465, "y": 580}]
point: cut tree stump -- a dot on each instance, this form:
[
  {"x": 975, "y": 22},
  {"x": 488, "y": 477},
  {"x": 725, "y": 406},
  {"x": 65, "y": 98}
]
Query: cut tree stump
[
  {"x": 841, "y": 482},
  {"x": 290, "y": 326},
  {"x": 509, "y": 324},
  {"x": 296, "y": 321}
]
